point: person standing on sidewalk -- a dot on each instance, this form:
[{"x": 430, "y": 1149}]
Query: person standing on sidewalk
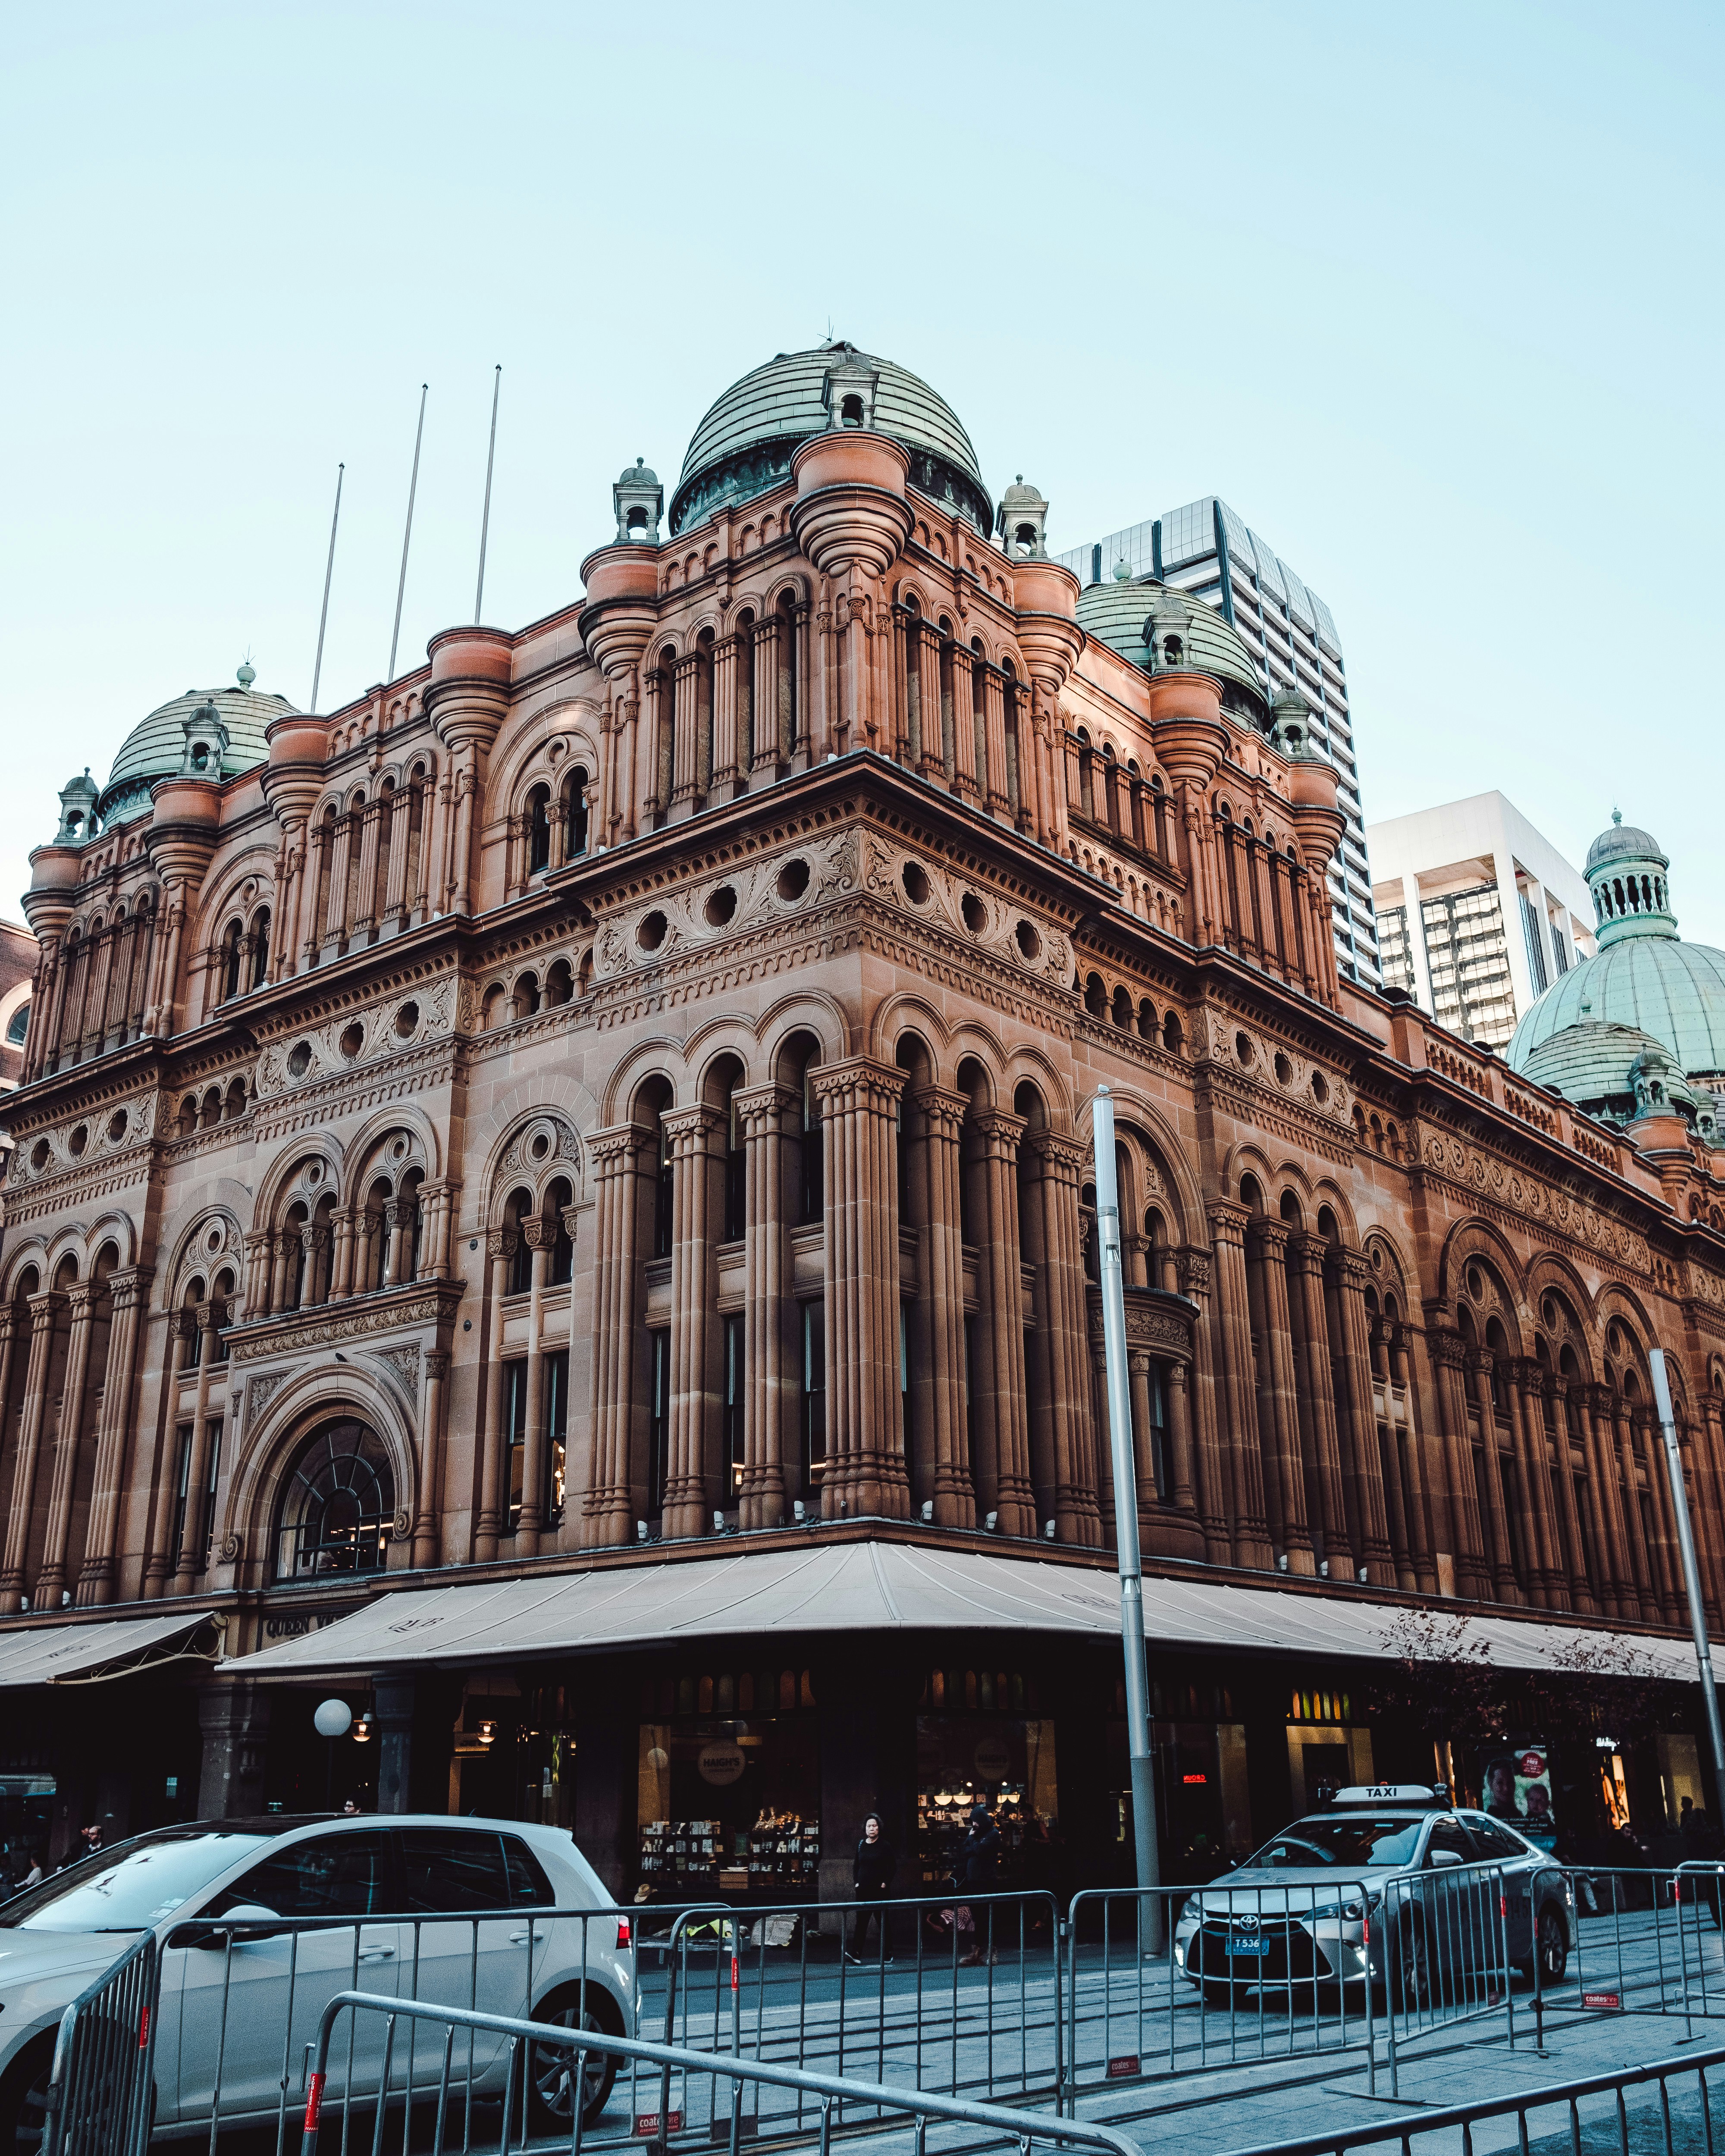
[
  {"x": 978, "y": 1863},
  {"x": 873, "y": 1876}
]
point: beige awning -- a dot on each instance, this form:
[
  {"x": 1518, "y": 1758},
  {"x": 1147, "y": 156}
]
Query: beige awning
[
  {"x": 899, "y": 1587},
  {"x": 86, "y": 1653}
]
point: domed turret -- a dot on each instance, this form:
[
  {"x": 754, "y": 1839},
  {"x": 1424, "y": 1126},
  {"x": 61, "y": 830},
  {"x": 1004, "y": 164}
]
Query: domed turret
[
  {"x": 1023, "y": 521},
  {"x": 1121, "y": 614},
  {"x": 640, "y": 501},
  {"x": 159, "y": 746},
  {"x": 1589, "y": 1035},
  {"x": 745, "y": 443}
]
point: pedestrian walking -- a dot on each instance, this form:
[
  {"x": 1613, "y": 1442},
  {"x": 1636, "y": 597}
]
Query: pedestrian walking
[
  {"x": 978, "y": 1862},
  {"x": 873, "y": 1879}
]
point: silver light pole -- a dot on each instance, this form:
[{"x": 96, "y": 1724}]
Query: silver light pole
[
  {"x": 1692, "y": 1573},
  {"x": 1126, "y": 1519}
]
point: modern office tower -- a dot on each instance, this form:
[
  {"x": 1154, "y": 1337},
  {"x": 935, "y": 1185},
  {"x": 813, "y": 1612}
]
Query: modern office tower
[
  {"x": 1477, "y": 914},
  {"x": 1207, "y": 551}
]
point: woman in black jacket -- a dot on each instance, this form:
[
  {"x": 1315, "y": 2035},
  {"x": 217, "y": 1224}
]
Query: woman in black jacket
[
  {"x": 873, "y": 1876},
  {"x": 979, "y": 1862}
]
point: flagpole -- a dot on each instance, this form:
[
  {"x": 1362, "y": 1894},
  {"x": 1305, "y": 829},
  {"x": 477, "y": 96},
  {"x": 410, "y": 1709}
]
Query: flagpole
[
  {"x": 328, "y": 571},
  {"x": 407, "y": 536},
  {"x": 485, "y": 520}
]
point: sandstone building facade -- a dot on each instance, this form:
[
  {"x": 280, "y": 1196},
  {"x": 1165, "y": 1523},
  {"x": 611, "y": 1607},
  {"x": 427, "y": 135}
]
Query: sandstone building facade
[{"x": 619, "y": 1096}]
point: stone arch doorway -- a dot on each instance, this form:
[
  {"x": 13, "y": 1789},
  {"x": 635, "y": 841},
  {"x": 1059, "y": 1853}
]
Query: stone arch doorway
[{"x": 336, "y": 1505}]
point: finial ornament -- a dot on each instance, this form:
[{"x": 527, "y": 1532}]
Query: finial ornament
[{"x": 1617, "y": 815}]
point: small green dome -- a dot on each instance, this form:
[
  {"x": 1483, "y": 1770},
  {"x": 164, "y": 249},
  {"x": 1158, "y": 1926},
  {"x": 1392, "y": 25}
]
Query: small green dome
[
  {"x": 1657, "y": 986},
  {"x": 745, "y": 443},
  {"x": 155, "y": 748},
  {"x": 1115, "y": 613}
]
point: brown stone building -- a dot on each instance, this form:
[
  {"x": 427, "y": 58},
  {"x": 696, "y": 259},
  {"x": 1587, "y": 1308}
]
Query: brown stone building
[{"x": 555, "y": 1201}]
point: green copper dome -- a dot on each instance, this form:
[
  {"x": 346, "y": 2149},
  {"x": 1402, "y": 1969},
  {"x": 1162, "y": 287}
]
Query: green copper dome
[
  {"x": 745, "y": 443},
  {"x": 1115, "y": 613},
  {"x": 155, "y": 747},
  {"x": 1644, "y": 985}
]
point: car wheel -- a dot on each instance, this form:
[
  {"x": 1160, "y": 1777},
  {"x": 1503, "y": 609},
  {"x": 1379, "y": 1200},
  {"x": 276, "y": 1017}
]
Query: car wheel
[
  {"x": 550, "y": 2068},
  {"x": 1551, "y": 1946},
  {"x": 1413, "y": 1968},
  {"x": 23, "y": 2102}
]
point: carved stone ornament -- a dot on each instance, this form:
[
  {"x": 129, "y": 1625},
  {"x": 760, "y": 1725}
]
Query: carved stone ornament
[
  {"x": 297, "y": 1331},
  {"x": 385, "y": 1028},
  {"x": 925, "y": 889},
  {"x": 401, "y": 1526},
  {"x": 405, "y": 1362},
  {"x": 232, "y": 1545},
  {"x": 754, "y": 896},
  {"x": 1156, "y": 1323},
  {"x": 106, "y": 1131},
  {"x": 262, "y": 1388},
  {"x": 1484, "y": 1175}
]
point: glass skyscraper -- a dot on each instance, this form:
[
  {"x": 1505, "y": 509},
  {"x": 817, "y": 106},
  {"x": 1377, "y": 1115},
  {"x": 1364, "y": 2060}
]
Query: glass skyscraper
[{"x": 1206, "y": 551}]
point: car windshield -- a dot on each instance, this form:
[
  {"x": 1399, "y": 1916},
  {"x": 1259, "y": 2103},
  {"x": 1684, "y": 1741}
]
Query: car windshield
[
  {"x": 139, "y": 1883},
  {"x": 1348, "y": 1840}
]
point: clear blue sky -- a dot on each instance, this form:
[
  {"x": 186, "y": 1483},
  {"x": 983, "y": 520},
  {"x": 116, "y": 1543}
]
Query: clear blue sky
[{"x": 1432, "y": 296}]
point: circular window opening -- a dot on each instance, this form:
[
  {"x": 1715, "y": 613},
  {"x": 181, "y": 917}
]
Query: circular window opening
[
  {"x": 540, "y": 1147},
  {"x": 353, "y": 1038},
  {"x": 407, "y": 1021},
  {"x": 1550, "y": 1312},
  {"x": 1243, "y": 1051},
  {"x": 213, "y": 1241},
  {"x": 399, "y": 1151},
  {"x": 721, "y": 906},
  {"x": 1320, "y": 1087},
  {"x": 976, "y": 914},
  {"x": 299, "y": 1059},
  {"x": 651, "y": 932},
  {"x": 1475, "y": 1283},
  {"x": 1284, "y": 1071},
  {"x": 78, "y": 1141},
  {"x": 117, "y": 1124},
  {"x": 793, "y": 880},
  {"x": 314, "y": 1174},
  {"x": 916, "y": 884},
  {"x": 39, "y": 1153},
  {"x": 1027, "y": 939}
]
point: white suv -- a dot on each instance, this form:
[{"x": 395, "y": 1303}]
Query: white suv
[{"x": 261, "y": 1922}]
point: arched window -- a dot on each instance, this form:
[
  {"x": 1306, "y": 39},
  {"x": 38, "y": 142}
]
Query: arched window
[
  {"x": 260, "y": 945},
  {"x": 786, "y": 610},
  {"x": 557, "y": 1200},
  {"x": 538, "y": 829},
  {"x": 850, "y": 410},
  {"x": 337, "y": 1506},
  {"x": 231, "y": 938},
  {"x": 575, "y": 814},
  {"x": 520, "y": 1263}
]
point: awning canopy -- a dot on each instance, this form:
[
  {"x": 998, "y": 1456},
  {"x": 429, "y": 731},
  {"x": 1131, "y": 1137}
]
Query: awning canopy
[
  {"x": 888, "y": 1587},
  {"x": 109, "y": 1647}
]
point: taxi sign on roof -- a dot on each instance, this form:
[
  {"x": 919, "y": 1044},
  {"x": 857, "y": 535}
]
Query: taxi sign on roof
[{"x": 1428, "y": 1796}]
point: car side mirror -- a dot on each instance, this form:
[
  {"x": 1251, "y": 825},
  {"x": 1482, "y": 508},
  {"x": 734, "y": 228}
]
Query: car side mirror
[
  {"x": 245, "y": 1924},
  {"x": 1443, "y": 1859}
]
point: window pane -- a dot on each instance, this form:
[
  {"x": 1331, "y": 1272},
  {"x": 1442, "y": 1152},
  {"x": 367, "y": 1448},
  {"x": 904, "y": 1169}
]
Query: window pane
[
  {"x": 528, "y": 1887},
  {"x": 337, "y": 1875},
  {"x": 444, "y": 1868}
]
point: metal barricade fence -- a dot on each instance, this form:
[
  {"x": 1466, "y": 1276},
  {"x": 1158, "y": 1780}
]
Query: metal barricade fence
[
  {"x": 825, "y": 2099},
  {"x": 1646, "y": 1941},
  {"x": 101, "y": 2083},
  {"x": 959, "y": 1992},
  {"x": 252, "y": 1993}
]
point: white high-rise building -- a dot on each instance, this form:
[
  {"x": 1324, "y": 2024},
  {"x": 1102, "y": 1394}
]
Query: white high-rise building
[
  {"x": 1205, "y": 550},
  {"x": 1477, "y": 914}
]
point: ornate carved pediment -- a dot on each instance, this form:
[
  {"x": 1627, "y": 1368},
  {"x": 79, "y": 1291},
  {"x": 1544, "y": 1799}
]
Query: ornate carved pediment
[
  {"x": 1157, "y": 1324},
  {"x": 421, "y": 1303}
]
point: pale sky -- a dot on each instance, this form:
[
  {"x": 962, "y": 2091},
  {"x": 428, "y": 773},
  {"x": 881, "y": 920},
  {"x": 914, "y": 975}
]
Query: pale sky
[{"x": 1431, "y": 296}]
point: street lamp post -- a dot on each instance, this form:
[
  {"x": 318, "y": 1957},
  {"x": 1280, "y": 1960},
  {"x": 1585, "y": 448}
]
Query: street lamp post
[
  {"x": 1126, "y": 1524},
  {"x": 333, "y": 1719}
]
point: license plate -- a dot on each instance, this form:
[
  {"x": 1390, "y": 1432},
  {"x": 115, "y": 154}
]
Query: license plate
[{"x": 1248, "y": 1946}]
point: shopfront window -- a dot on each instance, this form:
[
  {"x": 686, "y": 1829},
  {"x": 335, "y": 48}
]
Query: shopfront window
[
  {"x": 728, "y": 1787},
  {"x": 979, "y": 1740}
]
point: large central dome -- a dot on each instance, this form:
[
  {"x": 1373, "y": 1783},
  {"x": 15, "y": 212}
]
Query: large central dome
[{"x": 745, "y": 443}]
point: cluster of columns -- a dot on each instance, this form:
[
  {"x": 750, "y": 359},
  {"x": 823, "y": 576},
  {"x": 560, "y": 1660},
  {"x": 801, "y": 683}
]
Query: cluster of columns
[
  {"x": 1269, "y": 914},
  {"x": 971, "y": 727},
  {"x": 74, "y": 1417},
  {"x": 731, "y": 714},
  {"x": 94, "y": 993},
  {"x": 534, "y": 1529},
  {"x": 338, "y": 1256}
]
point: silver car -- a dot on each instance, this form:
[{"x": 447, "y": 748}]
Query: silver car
[
  {"x": 261, "y": 1922},
  {"x": 1389, "y": 1884}
]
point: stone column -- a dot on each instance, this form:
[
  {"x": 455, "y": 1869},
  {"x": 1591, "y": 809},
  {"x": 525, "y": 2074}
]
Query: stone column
[
  {"x": 51, "y": 1579},
  {"x": 315, "y": 1239},
  {"x": 1005, "y": 1486},
  {"x": 341, "y": 1259},
  {"x": 1622, "y": 1600},
  {"x": 1623, "y": 1446},
  {"x": 235, "y": 1718},
  {"x": 428, "y": 1526},
  {"x": 1529, "y": 1383},
  {"x": 999, "y": 800},
  {"x": 44, "y": 1317},
  {"x": 197, "y": 1529},
  {"x": 1349, "y": 1274},
  {"x": 392, "y": 1699},
  {"x": 1473, "y": 1568},
  {"x": 366, "y": 905},
  {"x": 1428, "y": 1509},
  {"x": 129, "y": 1289},
  {"x": 1709, "y": 1478},
  {"x": 260, "y": 1247},
  {"x": 1480, "y": 1361},
  {"x": 940, "y": 1273},
  {"x": 865, "y": 1450},
  {"x": 768, "y": 1395},
  {"x": 1063, "y": 1424},
  {"x": 1666, "y": 1566},
  {"x": 1388, "y": 1442},
  {"x": 282, "y": 1248},
  {"x": 159, "y": 1564},
  {"x": 725, "y": 716},
  {"x": 694, "y": 1135},
  {"x": 494, "y": 1498},
  {"x": 608, "y": 1507},
  {"x": 542, "y": 1236},
  {"x": 685, "y": 784},
  {"x": 1284, "y": 1469},
  {"x": 398, "y": 1217},
  {"x": 1237, "y": 1387},
  {"x": 768, "y": 751},
  {"x": 1549, "y": 1412},
  {"x": 1191, "y": 1279},
  {"x": 1340, "y": 1507}
]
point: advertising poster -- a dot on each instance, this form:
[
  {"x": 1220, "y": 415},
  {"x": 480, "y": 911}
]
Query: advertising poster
[{"x": 1515, "y": 1784}]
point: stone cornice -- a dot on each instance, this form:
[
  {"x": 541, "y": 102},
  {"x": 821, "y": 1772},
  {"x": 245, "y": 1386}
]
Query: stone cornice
[{"x": 390, "y": 1310}]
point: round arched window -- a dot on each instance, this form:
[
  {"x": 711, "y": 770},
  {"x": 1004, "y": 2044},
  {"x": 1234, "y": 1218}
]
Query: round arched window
[{"x": 339, "y": 1500}]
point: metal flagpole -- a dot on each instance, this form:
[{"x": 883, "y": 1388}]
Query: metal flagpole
[
  {"x": 329, "y": 569},
  {"x": 1691, "y": 1572},
  {"x": 413, "y": 489},
  {"x": 485, "y": 520},
  {"x": 1126, "y": 1522}
]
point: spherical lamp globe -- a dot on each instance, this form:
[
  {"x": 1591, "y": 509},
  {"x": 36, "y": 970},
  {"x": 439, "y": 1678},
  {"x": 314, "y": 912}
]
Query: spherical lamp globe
[{"x": 333, "y": 1718}]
